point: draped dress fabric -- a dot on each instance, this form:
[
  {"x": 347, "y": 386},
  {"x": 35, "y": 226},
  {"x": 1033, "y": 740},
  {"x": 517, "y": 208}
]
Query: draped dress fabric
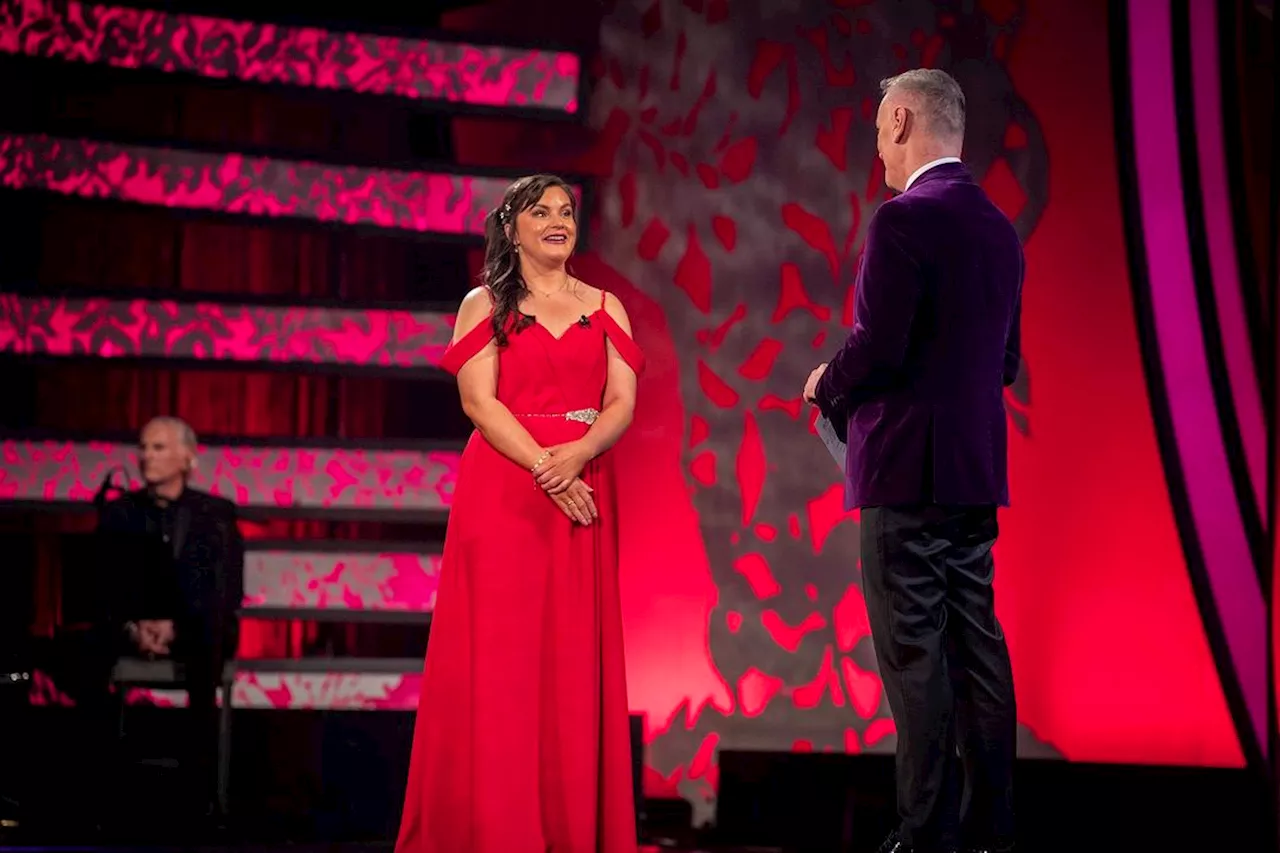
[{"x": 521, "y": 743}]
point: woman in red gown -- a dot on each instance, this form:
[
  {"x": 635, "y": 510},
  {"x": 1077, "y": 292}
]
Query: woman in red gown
[{"x": 522, "y": 741}]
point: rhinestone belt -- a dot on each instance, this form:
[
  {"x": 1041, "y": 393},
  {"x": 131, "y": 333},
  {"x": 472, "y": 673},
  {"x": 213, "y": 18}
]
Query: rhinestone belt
[{"x": 582, "y": 416}]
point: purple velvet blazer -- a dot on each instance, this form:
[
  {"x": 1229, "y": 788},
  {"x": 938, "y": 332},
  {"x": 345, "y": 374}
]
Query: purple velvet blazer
[{"x": 920, "y": 380}]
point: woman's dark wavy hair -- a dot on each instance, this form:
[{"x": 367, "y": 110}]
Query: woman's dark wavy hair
[{"x": 501, "y": 273}]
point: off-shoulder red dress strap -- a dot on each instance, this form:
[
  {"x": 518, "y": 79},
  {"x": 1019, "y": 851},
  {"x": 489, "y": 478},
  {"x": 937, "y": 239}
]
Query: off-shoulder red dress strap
[
  {"x": 461, "y": 350},
  {"x": 622, "y": 342}
]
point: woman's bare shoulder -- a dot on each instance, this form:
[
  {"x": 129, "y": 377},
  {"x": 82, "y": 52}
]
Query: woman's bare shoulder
[
  {"x": 475, "y": 306},
  {"x": 611, "y": 304},
  {"x": 587, "y": 293}
]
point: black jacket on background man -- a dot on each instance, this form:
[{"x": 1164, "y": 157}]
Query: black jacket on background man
[{"x": 183, "y": 560}]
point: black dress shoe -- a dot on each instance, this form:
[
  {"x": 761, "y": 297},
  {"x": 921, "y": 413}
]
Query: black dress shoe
[{"x": 894, "y": 844}]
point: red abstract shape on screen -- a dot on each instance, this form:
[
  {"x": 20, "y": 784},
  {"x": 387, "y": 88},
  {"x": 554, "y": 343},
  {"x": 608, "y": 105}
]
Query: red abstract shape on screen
[
  {"x": 726, "y": 231},
  {"x": 1001, "y": 11},
  {"x": 792, "y": 297},
  {"x": 715, "y": 388},
  {"x": 878, "y": 730},
  {"x": 846, "y": 311},
  {"x": 682, "y": 45},
  {"x": 651, "y": 20},
  {"x": 703, "y": 468},
  {"x": 693, "y": 273},
  {"x": 840, "y": 76},
  {"x": 835, "y": 142},
  {"x": 738, "y": 160},
  {"x": 690, "y": 124},
  {"x": 814, "y": 231},
  {"x": 850, "y": 617},
  {"x": 627, "y": 197},
  {"x": 864, "y": 689},
  {"x": 653, "y": 239},
  {"x": 1015, "y": 136},
  {"x": 1004, "y": 189},
  {"x": 770, "y": 55},
  {"x": 759, "y": 364},
  {"x": 787, "y": 636},
  {"x": 774, "y": 403},
  {"x": 264, "y": 53},
  {"x": 826, "y": 683},
  {"x": 851, "y": 742},
  {"x": 826, "y": 512},
  {"x": 750, "y": 468},
  {"x": 715, "y": 337},
  {"x": 45, "y": 692},
  {"x": 703, "y": 758},
  {"x": 755, "y": 568},
  {"x": 698, "y": 430},
  {"x": 755, "y": 690}
]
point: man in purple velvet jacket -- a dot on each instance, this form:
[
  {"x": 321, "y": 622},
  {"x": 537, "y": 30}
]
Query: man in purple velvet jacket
[{"x": 920, "y": 383}]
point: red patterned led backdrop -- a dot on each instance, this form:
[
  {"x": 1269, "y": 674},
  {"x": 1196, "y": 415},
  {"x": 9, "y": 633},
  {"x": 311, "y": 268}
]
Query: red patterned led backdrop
[
  {"x": 458, "y": 74},
  {"x": 310, "y": 577},
  {"x": 424, "y": 202},
  {"x": 319, "y": 480},
  {"x": 72, "y": 326},
  {"x": 738, "y": 178}
]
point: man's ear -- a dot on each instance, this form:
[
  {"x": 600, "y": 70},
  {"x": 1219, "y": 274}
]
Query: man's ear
[{"x": 901, "y": 123}]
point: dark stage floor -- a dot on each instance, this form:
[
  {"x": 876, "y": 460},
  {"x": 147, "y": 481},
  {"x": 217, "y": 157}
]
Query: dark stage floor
[
  {"x": 334, "y": 782},
  {"x": 811, "y": 804}
]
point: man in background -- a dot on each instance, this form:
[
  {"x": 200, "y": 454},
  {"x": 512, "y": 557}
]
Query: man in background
[
  {"x": 175, "y": 560},
  {"x": 920, "y": 384}
]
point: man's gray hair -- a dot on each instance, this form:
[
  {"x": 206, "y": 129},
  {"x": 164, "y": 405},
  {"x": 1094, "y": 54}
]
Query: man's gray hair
[
  {"x": 939, "y": 97},
  {"x": 185, "y": 433}
]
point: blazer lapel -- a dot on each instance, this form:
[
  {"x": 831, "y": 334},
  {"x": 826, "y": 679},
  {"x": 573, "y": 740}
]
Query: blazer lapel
[{"x": 181, "y": 524}]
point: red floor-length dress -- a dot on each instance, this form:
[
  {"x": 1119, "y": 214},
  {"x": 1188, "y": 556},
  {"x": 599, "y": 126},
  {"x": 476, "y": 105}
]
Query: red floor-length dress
[{"x": 522, "y": 740}]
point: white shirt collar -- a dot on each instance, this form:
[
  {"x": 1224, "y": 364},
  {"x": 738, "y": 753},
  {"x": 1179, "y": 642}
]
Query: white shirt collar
[{"x": 926, "y": 167}]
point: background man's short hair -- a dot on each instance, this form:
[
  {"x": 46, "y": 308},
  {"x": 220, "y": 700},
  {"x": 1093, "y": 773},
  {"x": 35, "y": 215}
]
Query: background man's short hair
[
  {"x": 939, "y": 96},
  {"x": 185, "y": 433}
]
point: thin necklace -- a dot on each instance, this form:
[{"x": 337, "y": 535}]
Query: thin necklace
[{"x": 547, "y": 294}]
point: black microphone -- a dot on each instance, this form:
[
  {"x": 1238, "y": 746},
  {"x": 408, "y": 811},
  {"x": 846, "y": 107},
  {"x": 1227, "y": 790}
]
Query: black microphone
[
  {"x": 584, "y": 322},
  {"x": 109, "y": 485}
]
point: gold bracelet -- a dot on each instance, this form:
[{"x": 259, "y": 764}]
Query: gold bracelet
[{"x": 546, "y": 454}]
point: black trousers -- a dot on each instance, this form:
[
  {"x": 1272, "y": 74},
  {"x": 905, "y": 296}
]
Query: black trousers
[
  {"x": 927, "y": 576},
  {"x": 197, "y": 732},
  {"x": 199, "y": 750}
]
